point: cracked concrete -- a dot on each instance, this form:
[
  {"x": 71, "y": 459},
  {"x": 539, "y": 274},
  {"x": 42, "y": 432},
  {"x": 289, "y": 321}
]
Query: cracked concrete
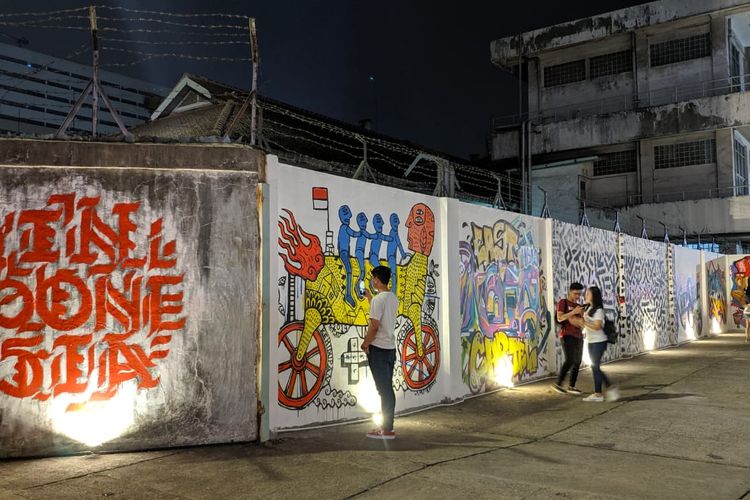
[{"x": 680, "y": 431}]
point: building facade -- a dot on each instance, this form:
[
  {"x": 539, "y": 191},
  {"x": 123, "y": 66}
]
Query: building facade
[
  {"x": 643, "y": 110},
  {"x": 37, "y": 91}
]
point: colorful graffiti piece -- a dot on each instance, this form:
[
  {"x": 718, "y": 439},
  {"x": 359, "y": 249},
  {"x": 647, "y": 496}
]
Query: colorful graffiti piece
[
  {"x": 329, "y": 283},
  {"x": 688, "y": 316},
  {"x": 503, "y": 310},
  {"x": 89, "y": 299},
  {"x": 717, "y": 299},
  {"x": 740, "y": 270}
]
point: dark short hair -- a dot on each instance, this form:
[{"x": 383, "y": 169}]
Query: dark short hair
[
  {"x": 383, "y": 273},
  {"x": 575, "y": 286}
]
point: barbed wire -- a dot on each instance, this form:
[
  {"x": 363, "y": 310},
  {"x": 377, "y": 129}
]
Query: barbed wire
[
  {"x": 172, "y": 23},
  {"x": 176, "y": 55},
  {"x": 174, "y": 14},
  {"x": 181, "y": 42},
  {"x": 47, "y": 13}
]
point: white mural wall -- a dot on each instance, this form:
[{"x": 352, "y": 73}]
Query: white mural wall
[
  {"x": 327, "y": 233},
  {"x": 502, "y": 327},
  {"x": 588, "y": 256},
  {"x": 688, "y": 308},
  {"x": 717, "y": 295},
  {"x": 646, "y": 295}
]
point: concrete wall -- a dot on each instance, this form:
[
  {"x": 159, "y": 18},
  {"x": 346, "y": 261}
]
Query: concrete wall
[
  {"x": 505, "y": 52},
  {"x": 504, "y": 315},
  {"x": 129, "y": 297},
  {"x": 704, "y": 114},
  {"x": 480, "y": 282},
  {"x": 687, "y": 294},
  {"x": 716, "y": 286},
  {"x": 562, "y": 186},
  {"x": 588, "y": 256},
  {"x": 722, "y": 215},
  {"x": 739, "y": 280},
  {"x": 318, "y": 317}
]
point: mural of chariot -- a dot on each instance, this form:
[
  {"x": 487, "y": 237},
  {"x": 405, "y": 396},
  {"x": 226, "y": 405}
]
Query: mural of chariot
[{"x": 325, "y": 312}]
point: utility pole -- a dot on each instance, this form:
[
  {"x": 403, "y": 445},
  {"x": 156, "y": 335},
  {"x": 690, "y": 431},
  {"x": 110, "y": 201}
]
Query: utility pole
[{"x": 95, "y": 89}]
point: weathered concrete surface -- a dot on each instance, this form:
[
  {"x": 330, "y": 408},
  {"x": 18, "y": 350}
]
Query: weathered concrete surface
[{"x": 680, "y": 431}]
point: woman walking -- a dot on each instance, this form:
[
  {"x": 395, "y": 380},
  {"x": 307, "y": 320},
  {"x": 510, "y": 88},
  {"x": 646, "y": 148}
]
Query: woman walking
[{"x": 593, "y": 329}]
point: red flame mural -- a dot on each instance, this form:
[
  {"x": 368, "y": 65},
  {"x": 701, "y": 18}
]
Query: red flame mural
[{"x": 304, "y": 255}]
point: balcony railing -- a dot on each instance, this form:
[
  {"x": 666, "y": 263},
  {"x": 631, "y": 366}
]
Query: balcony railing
[{"x": 630, "y": 102}]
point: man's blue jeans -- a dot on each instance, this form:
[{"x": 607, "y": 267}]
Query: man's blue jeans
[{"x": 381, "y": 363}]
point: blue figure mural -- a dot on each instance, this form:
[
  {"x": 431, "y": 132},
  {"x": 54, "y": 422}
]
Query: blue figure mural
[
  {"x": 377, "y": 239},
  {"x": 394, "y": 245},
  {"x": 345, "y": 235},
  {"x": 359, "y": 249}
]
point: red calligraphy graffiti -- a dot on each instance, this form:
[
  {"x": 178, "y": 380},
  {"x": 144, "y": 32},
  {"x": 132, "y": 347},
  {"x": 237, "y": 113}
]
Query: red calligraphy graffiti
[{"x": 89, "y": 298}]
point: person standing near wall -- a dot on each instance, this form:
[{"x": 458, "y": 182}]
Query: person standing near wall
[
  {"x": 593, "y": 329},
  {"x": 380, "y": 347},
  {"x": 569, "y": 316},
  {"x": 746, "y": 313}
]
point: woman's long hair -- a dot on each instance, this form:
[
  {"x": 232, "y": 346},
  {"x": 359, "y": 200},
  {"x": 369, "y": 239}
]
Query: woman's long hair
[{"x": 596, "y": 300}]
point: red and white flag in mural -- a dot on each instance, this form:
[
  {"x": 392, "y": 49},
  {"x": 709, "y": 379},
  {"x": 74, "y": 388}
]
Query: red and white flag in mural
[{"x": 320, "y": 198}]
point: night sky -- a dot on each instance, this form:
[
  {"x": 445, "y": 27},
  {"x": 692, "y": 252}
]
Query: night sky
[{"x": 419, "y": 69}]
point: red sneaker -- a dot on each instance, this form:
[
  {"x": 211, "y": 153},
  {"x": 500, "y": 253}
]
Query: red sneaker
[{"x": 381, "y": 434}]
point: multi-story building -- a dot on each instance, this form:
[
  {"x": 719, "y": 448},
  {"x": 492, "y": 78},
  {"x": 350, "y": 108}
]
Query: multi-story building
[
  {"x": 643, "y": 109},
  {"x": 37, "y": 91}
]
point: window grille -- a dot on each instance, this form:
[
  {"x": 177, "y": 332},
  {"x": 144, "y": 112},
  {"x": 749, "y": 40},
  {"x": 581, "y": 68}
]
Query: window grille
[
  {"x": 561, "y": 74},
  {"x": 619, "y": 162},
  {"x": 740, "y": 169},
  {"x": 683, "y": 49},
  {"x": 685, "y": 153},
  {"x": 611, "y": 64}
]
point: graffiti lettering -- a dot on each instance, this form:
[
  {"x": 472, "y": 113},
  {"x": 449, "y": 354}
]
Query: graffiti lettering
[
  {"x": 64, "y": 269},
  {"x": 503, "y": 312}
]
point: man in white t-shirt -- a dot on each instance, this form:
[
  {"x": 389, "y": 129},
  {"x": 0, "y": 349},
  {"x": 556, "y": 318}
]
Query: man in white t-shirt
[{"x": 380, "y": 346}]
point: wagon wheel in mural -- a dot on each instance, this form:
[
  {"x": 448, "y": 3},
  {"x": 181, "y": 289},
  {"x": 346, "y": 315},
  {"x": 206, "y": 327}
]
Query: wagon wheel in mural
[
  {"x": 300, "y": 380},
  {"x": 420, "y": 370}
]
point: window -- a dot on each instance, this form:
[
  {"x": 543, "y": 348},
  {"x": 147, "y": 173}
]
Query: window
[
  {"x": 685, "y": 153},
  {"x": 740, "y": 169},
  {"x": 611, "y": 64},
  {"x": 561, "y": 74},
  {"x": 619, "y": 162},
  {"x": 735, "y": 63},
  {"x": 683, "y": 49}
]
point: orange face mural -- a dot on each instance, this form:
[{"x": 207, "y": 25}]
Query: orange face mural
[
  {"x": 421, "y": 224},
  {"x": 88, "y": 300}
]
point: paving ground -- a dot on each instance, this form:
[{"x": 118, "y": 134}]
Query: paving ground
[{"x": 682, "y": 430}]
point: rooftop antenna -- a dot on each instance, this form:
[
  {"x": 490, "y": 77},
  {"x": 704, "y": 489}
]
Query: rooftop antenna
[{"x": 95, "y": 89}]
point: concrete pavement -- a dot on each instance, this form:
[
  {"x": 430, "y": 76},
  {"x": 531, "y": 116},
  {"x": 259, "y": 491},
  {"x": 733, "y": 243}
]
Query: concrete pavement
[{"x": 681, "y": 430}]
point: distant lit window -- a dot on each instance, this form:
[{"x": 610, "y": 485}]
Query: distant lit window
[
  {"x": 683, "y": 49},
  {"x": 685, "y": 153},
  {"x": 619, "y": 162},
  {"x": 560, "y": 74},
  {"x": 611, "y": 64}
]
